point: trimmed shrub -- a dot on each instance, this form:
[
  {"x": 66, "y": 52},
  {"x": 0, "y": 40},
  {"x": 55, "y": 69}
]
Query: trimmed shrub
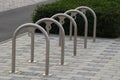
[{"x": 107, "y": 11}]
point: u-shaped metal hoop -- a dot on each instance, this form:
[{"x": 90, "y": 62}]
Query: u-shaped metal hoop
[
  {"x": 62, "y": 33},
  {"x": 86, "y": 24},
  {"x": 95, "y": 20},
  {"x": 30, "y": 25},
  {"x": 75, "y": 28}
]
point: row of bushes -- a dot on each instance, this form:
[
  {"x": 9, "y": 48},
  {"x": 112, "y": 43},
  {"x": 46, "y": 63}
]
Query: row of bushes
[{"x": 107, "y": 11}]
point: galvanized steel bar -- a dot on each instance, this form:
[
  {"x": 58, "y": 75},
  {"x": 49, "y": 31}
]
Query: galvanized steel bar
[
  {"x": 31, "y": 34},
  {"x": 75, "y": 12},
  {"x": 27, "y": 25},
  {"x": 95, "y": 19},
  {"x": 75, "y": 28},
  {"x": 61, "y": 22},
  {"x": 62, "y": 34},
  {"x": 70, "y": 31}
]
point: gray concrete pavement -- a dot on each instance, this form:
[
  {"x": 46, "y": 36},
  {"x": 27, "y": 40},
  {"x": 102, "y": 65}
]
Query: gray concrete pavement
[
  {"x": 12, "y": 4},
  {"x": 100, "y": 61},
  {"x": 11, "y": 19}
]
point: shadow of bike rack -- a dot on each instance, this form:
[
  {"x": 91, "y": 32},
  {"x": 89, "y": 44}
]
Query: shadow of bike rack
[
  {"x": 48, "y": 22},
  {"x": 84, "y": 9},
  {"x": 32, "y": 26},
  {"x": 62, "y": 17},
  {"x": 73, "y": 14}
]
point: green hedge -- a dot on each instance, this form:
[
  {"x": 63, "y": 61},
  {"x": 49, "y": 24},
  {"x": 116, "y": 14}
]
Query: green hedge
[{"x": 107, "y": 11}]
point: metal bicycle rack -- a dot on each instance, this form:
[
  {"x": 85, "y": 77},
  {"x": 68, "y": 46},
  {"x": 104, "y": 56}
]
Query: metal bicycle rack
[
  {"x": 74, "y": 13},
  {"x": 61, "y": 17},
  {"x": 32, "y": 26},
  {"x": 48, "y": 22},
  {"x": 84, "y": 9}
]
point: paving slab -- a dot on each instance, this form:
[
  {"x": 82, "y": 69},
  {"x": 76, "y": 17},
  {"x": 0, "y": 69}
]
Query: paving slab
[{"x": 100, "y": 61}]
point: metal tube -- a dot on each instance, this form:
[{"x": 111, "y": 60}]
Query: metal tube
[
  {"x": 63, "y": 47},
  {"x": 95, "y": 25},
  {"x": 31, "y": 32},
  {"x": 47, "y": 57},
  {"x": 60, "y": 38},
  {"x": 75, "y": 28},
  {"x": 86, "y": 24},
  {"x": 62, "y": 35},
  {"x": 75, "y": 40},
  {"x": 61, "y": 21},
  {"x": 70, "y": 32},
  {"x": 13, "y": 55},
  {"x": 48, "y": 31},
  {"x": 32, "y": 46},
  {"x": 95, "y": 20},
  {"x": 27, "y": 25}
]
